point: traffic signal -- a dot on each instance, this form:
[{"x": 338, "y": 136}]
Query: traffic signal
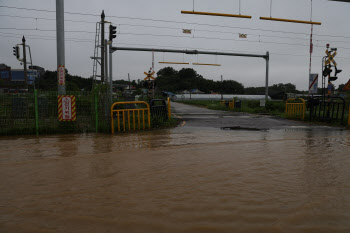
[
  {"x": 16, "y": 51},
  {"x": 333, "y": 78},
  {"x": 337, "y": 71},
  {"x": 112, "y": 32},
  {"x": 327, "y": 71}
]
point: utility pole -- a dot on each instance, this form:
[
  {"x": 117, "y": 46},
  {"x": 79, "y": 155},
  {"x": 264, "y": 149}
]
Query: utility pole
[
  {"x": 129, "y": 82},
  {"x": 103, "y": 47},
  {"x": 60, "y": 47},
  {"x": 110, "y": 70},
  {"x": 267, "y": 58},
  {"x": 106, "y": 62},
  {"x": 25, "y": 63},
  {"x": 222, "y": 96}
]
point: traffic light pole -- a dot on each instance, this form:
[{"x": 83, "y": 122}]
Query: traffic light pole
[
  {"x": 110, "y": 70},
  {"x": 195, "y": 52},
  {"x": 25, "y": 63},
  {"x": 106, "y": 61},
  {"x": 102, "y": 47}
]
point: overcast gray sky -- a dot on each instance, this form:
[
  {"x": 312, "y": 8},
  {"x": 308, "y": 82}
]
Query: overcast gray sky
[{"x": 288, "y": 43}]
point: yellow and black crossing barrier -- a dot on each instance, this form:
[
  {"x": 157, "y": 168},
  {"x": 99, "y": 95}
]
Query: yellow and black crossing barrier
[
  {"x": 131, "y": 118},
  {"x": 295, "y": 108}
]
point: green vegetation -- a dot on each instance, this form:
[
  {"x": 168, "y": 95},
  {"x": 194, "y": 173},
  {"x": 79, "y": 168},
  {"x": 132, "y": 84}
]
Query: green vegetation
[{"x": 169, "y": 79}]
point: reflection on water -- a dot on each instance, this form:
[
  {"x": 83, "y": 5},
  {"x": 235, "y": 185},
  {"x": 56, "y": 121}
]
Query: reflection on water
[{"x": 177, "y": 180}]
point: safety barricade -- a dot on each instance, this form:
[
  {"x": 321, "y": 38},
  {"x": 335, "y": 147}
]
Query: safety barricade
[
  {"x": 133, "y": 116},
  {"x": 231, "y": 104},
  {"x": 295, "y": 109}
]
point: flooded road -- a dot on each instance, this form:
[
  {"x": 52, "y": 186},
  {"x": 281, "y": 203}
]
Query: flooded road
[{"x": 195, "y": 178}]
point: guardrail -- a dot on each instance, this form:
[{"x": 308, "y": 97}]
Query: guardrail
[
  {"x": 295, "y": 109},
  {"x": 138, "y": 119}
]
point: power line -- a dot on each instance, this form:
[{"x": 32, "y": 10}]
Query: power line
[
  {"x": 40, "y": 38},
  {"x": 41, "y": 18},
  {"x": 44, "y": 30},
  {"x": 199, "y": 30},
  {"x": 173, "y": 21},
  {"x": 165, "y": 46},
  {"x": 223, "y": 39},
  {"x": 49, "y": 37},
  {"x": 174, "y": 36}
]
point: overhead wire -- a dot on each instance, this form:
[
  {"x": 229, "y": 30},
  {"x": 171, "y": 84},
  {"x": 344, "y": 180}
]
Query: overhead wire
[
  {"x": 168, "y": 21},
  {"x": 174, "y": 36},
  {"x": 173, "y": 21}
]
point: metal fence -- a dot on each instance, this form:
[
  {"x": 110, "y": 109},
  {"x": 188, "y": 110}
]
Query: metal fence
[
  {"x": 37, "y": 113},
  {"x": 330, "y": 109}
]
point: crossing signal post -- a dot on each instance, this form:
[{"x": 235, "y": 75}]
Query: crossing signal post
[
  {"x": 329, "y": 62},
  {"x": 112, "y": 32},
  {"x": 150, "y": 81}
]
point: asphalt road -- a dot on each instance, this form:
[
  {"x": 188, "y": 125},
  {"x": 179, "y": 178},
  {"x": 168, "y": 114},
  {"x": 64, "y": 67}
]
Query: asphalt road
[{"x": 201, "y": 117}]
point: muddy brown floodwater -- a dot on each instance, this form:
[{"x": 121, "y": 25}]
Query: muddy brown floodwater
[{"x": 177, "y": 180}]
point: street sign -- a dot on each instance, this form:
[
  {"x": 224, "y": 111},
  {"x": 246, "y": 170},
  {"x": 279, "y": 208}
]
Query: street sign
[
  {"x": 347, "y": 86},
  {"x": 331, "y": 57},
  {"x": 61, "y": 75},
  {"x": 149, "y": 76},
  {"x": 243, "y": 36},
  {"x": 66, "y": 108},
  {"x": 313, "y": 83}
]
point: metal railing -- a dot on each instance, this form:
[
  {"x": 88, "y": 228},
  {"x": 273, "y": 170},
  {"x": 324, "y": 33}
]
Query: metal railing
[
  {"x": 330, "y": 109},
  {"x": 159, "y": 109},
  {"x": 37, "y": 113},
  {"x": 295, "y": 109},
  {"x": 137, "y": 119}
]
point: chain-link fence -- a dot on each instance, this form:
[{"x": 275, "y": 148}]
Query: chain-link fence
[{"x": 37, "y": 113}]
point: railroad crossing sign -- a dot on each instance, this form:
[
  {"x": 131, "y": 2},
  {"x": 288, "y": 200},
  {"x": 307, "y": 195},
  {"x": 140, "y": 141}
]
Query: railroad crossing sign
[
  {"x": 149, "y": 75},
  {"x": 313, "y": 83},
  {"x": 331, "y": 57},
  {"x": 347, "y": 86}
]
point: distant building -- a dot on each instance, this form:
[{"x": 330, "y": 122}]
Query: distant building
[
  {"x": 17, "y": 76},
  {"x": 12, "y": 80}
]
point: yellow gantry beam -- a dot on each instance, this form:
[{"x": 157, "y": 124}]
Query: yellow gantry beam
[
  {"x": 290, "y": 20},
  {"x": 215, "y": 14},
  {"x": 181, "y": 63},
  {"x": 204, "y": 64}
]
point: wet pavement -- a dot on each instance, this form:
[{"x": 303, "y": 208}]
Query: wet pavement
[
  {"x": 291, "y": 177},
  {"x": 203, "y": 117}
]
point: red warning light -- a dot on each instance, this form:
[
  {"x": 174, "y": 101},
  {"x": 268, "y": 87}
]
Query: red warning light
[{"x": 327, "y": 46}]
